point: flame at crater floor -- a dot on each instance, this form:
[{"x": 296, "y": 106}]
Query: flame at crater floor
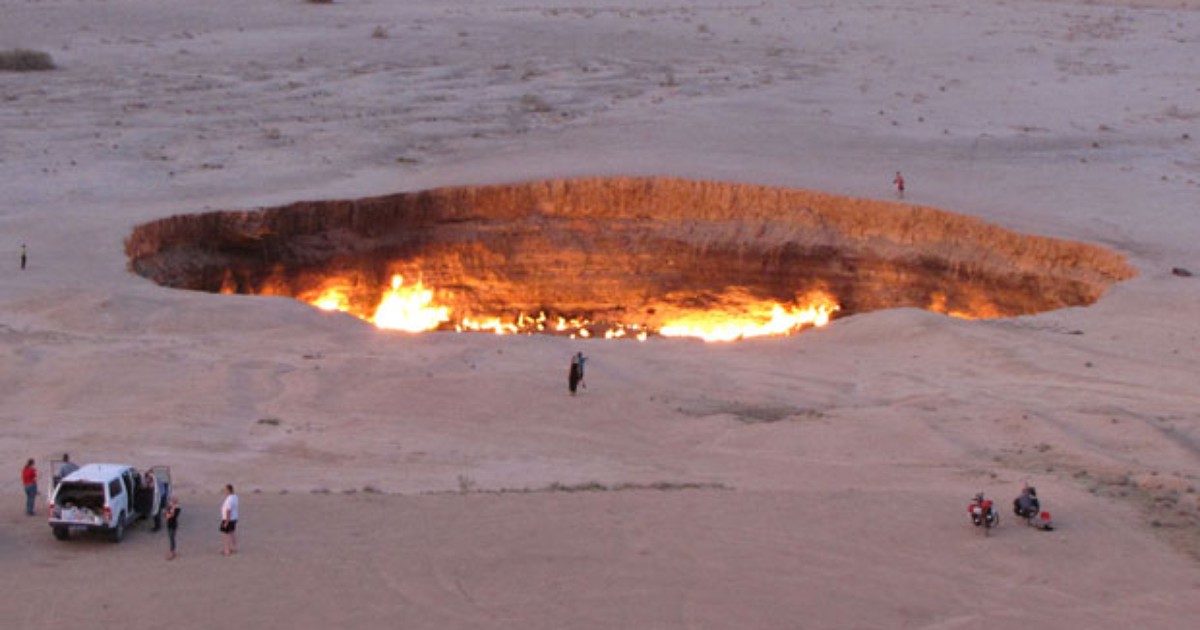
[
  {"x": 409, "y": 308},
  {"x": 737, "y": 315},
  {"x": 743, "y": 319}
]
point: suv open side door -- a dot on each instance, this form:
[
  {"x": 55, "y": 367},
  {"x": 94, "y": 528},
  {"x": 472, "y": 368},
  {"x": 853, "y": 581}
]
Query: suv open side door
[{"x": 162, "y": 491}]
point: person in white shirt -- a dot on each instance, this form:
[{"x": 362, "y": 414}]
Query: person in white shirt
[{"x": 229, "y": 520}]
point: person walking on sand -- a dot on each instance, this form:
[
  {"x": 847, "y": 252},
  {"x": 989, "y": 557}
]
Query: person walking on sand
[
  {"x": 172, "y": 514},
  {"x": 229, "y": 520},
  {"x": 22, "y": 255},
  {"x": 29, "y": 480},
  {"x": 899, "y": 182}
]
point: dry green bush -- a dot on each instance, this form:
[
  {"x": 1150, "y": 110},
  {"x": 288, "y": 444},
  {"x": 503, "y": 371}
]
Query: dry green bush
[{"x": 22, "y": 60}]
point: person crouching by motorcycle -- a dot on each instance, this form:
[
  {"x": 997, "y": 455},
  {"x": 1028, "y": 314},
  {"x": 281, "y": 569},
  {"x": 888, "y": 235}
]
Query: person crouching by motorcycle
[
  {"x": 1028, "y": 507},
  {"x": 983, "y": 513}
]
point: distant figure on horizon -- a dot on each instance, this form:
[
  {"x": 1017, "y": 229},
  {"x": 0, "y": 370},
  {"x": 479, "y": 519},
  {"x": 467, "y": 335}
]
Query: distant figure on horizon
[
  {"x": 22, "y": 255},
  {"x": 899, "y": 182}
]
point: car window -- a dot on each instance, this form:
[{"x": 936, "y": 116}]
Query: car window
[{"x": 114, "y": 488}]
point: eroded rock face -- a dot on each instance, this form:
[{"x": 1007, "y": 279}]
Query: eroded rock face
[{"x": 627, "y": 250}]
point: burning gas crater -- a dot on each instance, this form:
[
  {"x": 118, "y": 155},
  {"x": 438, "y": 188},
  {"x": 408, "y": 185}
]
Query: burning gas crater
[
  {"x": 621, "y": 257},
  {"x": 735, "y": 314}
]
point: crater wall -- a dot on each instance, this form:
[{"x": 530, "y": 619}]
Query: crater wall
[{"x": 626, "y": 248}]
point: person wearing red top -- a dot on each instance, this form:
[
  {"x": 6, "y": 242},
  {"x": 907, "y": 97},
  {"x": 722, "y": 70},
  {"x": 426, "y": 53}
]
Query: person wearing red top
[{"x": 29, "y": 479}]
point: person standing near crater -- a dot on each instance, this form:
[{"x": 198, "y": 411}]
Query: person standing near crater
[
  {"x": 23, "y": 252},
  {"x": 575, "y": 374},
  {"x": 899, "y": 182}
]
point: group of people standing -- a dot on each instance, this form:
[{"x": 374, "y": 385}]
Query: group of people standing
[
  {"x": 229, "y": 506},
  {"x": 229, "y": 520}
]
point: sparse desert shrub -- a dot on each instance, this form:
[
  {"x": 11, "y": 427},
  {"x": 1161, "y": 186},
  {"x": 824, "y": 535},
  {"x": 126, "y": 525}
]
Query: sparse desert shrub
[
  {"x": 22, "y": 60},
  {"x": 534, "y": 103},
  {"x": 590, "y": 486}
]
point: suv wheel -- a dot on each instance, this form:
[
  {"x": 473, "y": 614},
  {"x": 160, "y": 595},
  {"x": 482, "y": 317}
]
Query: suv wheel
[
  {"x": 118, "y": 532},
  {"x": 61, "y": 533}
]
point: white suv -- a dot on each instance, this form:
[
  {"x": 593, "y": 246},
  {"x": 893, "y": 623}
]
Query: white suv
[{"x": 108, "y": 497}]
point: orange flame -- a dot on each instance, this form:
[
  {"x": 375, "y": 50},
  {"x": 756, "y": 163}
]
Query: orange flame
[
  {"x": 333, "y": 299},
  {"x": 753, "y": 319},
  {"x": 732, "y": 315},
  {"x": 978, "y": 307},
  {"x": 409, "y": 309}
]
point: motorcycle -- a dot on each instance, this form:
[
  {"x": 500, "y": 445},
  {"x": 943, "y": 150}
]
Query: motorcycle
[{"x": 983, "y": 513}]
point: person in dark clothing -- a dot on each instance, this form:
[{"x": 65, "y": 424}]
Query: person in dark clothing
[
  {"x": 574, "y": 375},
  {"x": 143, "y": 494},
  {"x": 172, "y": 514},
  {"x": 1027, "y": 505},
  {"x": 22, "y": 255},
  {"x": 580, "y": 360}
]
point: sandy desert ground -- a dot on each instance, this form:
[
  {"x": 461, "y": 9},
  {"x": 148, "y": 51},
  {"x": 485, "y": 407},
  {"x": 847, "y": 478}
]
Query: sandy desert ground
[{"x": 448, "y": 481}]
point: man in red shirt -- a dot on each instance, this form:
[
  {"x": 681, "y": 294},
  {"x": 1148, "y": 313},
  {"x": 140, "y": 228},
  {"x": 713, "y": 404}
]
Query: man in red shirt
[{"x": 29, "y": 479}]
